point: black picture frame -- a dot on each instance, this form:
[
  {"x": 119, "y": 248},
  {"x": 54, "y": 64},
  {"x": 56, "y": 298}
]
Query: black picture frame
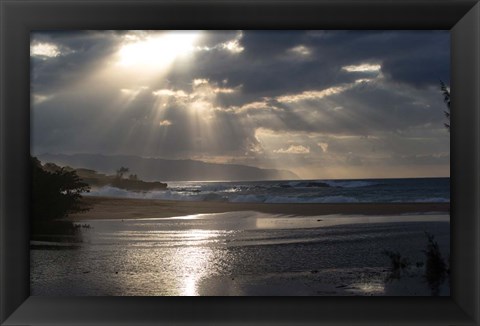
[{"x": 18, "y": 18}]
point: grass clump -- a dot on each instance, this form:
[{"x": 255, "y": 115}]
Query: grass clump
[
  {"x": 435, "y": 266},
  {"x": 397, "y": 262}
]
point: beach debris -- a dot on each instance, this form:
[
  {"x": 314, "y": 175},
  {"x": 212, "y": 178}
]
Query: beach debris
[{"x": 314, "y": 271}]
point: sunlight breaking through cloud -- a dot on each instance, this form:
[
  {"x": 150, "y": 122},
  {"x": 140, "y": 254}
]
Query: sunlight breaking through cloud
[
  {"x": 170, "y": 93},
  {"x": 45, "y": 50},
  {"x": 300, "y": 50},
  {"x": 363, "y": 68},
  {"x": 272, "y": 99},
  {"x": 155, "y": 50},
  {"x": 233, "y": 45},
  {"x": 293, "y": 149},
  {"x": 165, "y": 123},
  {"x": 310, "y": 95}
]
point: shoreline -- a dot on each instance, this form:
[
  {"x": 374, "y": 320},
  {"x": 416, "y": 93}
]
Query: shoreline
[{"x": 129, "y": 208}]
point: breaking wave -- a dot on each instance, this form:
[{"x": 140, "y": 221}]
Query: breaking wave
[{"x": 255, "y": 195}]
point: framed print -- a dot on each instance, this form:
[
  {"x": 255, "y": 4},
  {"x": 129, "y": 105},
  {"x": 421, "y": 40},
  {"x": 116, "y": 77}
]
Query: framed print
[{"x": 302, "y": 159}]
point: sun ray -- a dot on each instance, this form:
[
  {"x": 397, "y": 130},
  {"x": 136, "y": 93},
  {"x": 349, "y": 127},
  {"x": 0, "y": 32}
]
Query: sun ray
[{"x": 155, "y": 51}]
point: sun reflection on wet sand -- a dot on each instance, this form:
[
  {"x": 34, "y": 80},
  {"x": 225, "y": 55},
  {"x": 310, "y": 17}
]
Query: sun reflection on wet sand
[
  {"x": 241, "y": 253},
  {"x": 166, "y": 272},
  {"x": 190, "y": 287},
  {"x": 369, "y": 288},
  {"x": 196, "y": 261}
]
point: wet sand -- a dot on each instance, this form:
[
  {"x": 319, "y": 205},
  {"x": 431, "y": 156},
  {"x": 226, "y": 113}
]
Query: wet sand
[
  {"x": 242, "y": 253},
  {"x": 126, "y": 208}
]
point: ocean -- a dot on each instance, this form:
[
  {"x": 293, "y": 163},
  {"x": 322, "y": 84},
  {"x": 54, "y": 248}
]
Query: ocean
[{"x": 405, "y": 190}]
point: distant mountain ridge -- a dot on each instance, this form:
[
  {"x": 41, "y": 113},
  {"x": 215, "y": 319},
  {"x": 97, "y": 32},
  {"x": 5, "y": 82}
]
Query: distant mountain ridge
[{"x": 156, "y": 169}]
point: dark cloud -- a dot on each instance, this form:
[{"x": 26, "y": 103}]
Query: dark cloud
[
  {"x": 292, "y": 83},
  {"x": 418, "y": 58},
  {"x": 82, "y": 53}
]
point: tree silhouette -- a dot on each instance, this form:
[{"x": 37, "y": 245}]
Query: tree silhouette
[
  {"x": 446, "y": 99},
  {"x": 133, "y": 177},
  {"x": 55, "y": 194},
  {"x": 121, "y": 172}
]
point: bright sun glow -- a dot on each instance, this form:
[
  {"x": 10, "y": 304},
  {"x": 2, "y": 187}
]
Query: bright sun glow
[{"x": 156, "y": 51}]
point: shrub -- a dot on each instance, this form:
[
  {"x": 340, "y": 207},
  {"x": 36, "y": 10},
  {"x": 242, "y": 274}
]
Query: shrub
[
  {"x": 435, "y": 266},
  {"x": 398, "y": 263}
]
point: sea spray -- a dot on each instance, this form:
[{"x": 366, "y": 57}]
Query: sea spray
[{"x": 421, "y": 190}]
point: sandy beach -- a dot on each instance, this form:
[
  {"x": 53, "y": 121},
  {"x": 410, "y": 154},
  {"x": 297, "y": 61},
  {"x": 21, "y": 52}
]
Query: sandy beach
[{"x": 126, "y": 208}]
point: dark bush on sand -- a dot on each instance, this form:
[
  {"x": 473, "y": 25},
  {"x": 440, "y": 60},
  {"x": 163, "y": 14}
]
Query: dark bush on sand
[
  {"x": 435, "y": 266},
  {"x": 55, "y": 194}
]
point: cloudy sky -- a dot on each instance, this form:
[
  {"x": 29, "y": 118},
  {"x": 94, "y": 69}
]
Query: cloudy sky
[{"x": 322, "y": 104}]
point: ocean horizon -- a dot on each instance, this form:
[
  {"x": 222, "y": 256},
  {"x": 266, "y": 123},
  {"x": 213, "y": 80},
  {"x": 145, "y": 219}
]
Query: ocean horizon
[{"x": 394, "y": 190}]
